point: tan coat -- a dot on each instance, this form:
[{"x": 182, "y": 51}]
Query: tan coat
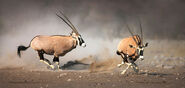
[
  {"x": 123, "y": 46},
  {"x": 57, "y": 45}
]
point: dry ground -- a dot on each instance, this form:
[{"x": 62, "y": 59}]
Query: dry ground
[
  {"x": 150, "y": 78},
  {"x": 163, "y": 67}
]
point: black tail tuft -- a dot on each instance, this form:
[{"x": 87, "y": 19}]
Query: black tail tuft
[
  {"x": 118, "y": 53},
  {"x": 21, "y": 48}
]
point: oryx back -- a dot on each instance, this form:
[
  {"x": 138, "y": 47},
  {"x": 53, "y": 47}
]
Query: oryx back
[{"x": 53, "y": 45}]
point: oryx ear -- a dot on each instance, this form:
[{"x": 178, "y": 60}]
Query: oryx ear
[
  {"x": 146, "y": 44},
  {"x": 131, "y": 46}
]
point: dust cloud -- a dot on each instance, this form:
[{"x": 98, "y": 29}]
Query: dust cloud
[{"x": 101, "y": 24}]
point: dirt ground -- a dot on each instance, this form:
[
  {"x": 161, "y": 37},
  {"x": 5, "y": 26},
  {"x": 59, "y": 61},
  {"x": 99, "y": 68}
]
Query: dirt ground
[
  {"x": 163, "y": 67},
  {"x": 147, "y": 78}
]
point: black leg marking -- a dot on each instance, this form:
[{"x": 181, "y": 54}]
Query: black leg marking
[
  {"x": 55, "y": 59},
  {"x": 41, "y": 56},
  {"x": 47, "y": 61},
  {"x": 124, "y": 56},
  {"x": 130, "y": 60}
]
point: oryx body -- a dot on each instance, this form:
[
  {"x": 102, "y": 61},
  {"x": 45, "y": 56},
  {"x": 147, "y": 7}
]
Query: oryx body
[
  {"x": 130, "y": 49},
  {"x": 124, "y": 46},
  {"x": 57, "y": 45}
]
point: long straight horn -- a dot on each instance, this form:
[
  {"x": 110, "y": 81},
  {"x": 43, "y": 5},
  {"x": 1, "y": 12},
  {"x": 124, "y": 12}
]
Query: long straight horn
[
  {"x": 132, "y": 34},
  {"x": 65, "y": 21},
  {"x": 141, "y": 29},
  {"x": 73, "y": 27}
]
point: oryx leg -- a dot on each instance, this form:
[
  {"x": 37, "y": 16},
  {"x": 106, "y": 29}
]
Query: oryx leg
[
  {"x": 123, "y": 72},
  {"x": 55, "y": 63},
  {"x": 122, "y": 63},
  {"x": 124, "y": 60},
  {"x": 42, "y": 59},
  {"x": 135, "y": 67}
]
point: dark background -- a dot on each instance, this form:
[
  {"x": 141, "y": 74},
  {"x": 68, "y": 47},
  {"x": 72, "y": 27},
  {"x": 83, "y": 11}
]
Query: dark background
[{"x": 161, "y": 19}]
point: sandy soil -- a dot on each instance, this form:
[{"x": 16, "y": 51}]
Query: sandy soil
[
  {"x": 163, "y": 67},
  {"x": 150, "y": 78}
]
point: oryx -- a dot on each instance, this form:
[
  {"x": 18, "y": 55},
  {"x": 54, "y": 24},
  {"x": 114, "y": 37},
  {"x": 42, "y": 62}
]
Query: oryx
[
  {"x": 130, "y": 49},
  {"x": 57, "y": 45}
]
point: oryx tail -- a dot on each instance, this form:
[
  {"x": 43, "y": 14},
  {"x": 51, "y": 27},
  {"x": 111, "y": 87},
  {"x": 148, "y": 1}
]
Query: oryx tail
[{"x": 21, "y": 48}]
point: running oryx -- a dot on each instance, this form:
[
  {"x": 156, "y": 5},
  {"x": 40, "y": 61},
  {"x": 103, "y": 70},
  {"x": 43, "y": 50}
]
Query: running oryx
[
  {"x": 130, "y": 49},
  {"x": 57, "y": 45}
]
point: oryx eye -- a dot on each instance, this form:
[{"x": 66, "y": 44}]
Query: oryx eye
[{"x": 140, "y": 47}]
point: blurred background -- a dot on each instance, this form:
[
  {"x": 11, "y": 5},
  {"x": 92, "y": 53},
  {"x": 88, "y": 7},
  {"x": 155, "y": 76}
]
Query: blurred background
[{"x": 101, "y": 24}]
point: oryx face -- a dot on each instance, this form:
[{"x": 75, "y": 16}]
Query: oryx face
[
  {"x": 140, "y": 50},
  {"x": 81, "y": 41}
]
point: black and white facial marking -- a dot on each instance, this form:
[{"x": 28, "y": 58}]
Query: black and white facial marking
[
  {"x": 140, "y": 51},
  {"x": 81, "y": 41}
]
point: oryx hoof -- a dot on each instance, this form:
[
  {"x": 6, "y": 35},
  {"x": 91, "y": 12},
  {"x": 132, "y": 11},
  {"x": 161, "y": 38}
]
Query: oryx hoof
[
  {"x": 51, "y": 67},
  {"x": 57, "y": 67},
  {"x": 136, "y": 70},
  {"x": 119, "y": 65},
  {"x": 123, "y": 72}
]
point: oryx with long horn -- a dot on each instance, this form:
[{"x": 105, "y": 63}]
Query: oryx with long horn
[
  {"x": 130, "y": 49},
  {"x": 57, "y": 45}
]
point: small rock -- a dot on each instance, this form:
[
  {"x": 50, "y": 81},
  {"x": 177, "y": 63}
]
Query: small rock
[
  {"x": 69, "y": 80},
  {"x": 58, "y": 76},
  {"x": 146, "y": 71},
  {"x": 159, "y": 66},
  {"x": 62, "y": 74},
  {"x": 113, "y": 85},
  {"x": 146, "y": 74},
  {"x": 176, "y": 78},
  {"x": 168, "y": 67},
  {"x": 99, "y": 84},
  {"x": 47, "y": 85},
  {"x": 80, "y": 76}
]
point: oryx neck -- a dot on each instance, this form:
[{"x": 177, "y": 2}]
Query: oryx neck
[{"x": 76, "y": 39}]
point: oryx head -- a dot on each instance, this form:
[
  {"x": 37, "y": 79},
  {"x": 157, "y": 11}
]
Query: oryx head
[
  {"x": 139, "y": 43},
  {"x": 139, "y": 50},
  {"x": 78, "y": 38},
  {"x": 74, "y": 32}
]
